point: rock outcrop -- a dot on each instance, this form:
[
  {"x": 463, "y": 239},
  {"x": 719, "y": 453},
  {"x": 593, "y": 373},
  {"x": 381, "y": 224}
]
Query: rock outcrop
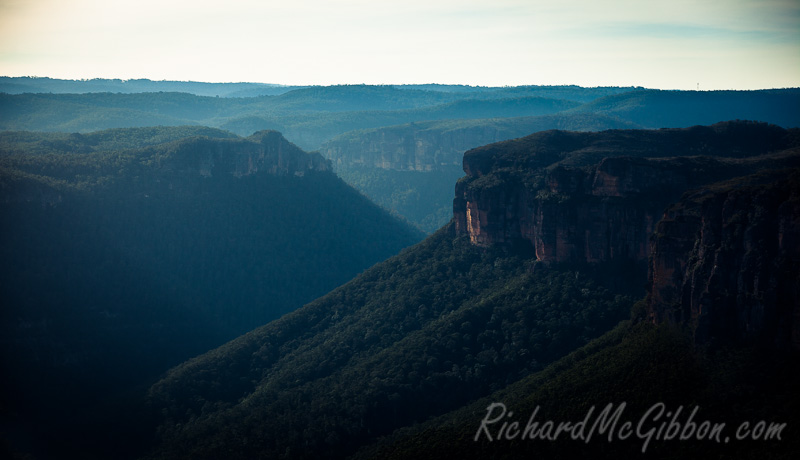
[
  {"x": 146, "y": 169},
  {"x": 723, "y": 259},
  {"x": 726, "y": 262},
  {"x": 264, "y": 151},
  {"x": 408, "y": 148},
  {"x": 594, "y": 197},
  {"x": 430, "y": 146}
]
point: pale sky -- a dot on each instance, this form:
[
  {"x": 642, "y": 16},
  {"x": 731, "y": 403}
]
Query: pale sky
[{"x": 668, "y": 44}]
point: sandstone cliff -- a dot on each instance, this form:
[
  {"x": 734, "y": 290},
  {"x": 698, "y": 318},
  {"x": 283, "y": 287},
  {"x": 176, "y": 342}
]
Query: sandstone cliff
[
  {"x": 408, "y": 148},
  {"x": 724, "y": 258},
  {"x": 70, "y": 163},
  {"x": 592, "y": 197},
  {"x": 264, "y": 151},
  {"x": 726, "y": 262},
  {"x": 429, "y": 146}
]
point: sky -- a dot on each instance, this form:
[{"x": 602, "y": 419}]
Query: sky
[{"x": 675, "y": 44}]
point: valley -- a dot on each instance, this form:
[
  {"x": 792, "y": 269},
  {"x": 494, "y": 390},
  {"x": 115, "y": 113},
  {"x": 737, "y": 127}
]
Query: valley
[{"x": 356, "y": 271}]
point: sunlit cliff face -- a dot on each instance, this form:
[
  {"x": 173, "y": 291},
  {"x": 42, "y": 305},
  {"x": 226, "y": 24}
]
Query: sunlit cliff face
[{"x": 598, "y": 223}]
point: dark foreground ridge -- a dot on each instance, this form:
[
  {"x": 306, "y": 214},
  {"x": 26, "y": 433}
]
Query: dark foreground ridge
[{"x": 126, "y": 252}]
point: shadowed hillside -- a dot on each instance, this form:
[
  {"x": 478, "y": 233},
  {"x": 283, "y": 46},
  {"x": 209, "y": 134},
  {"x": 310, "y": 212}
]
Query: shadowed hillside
[
  {"x": 125, "y": 252},
  {"x": 458, "y": 317}
]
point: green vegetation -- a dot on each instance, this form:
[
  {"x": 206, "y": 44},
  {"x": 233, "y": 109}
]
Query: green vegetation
[
  {"x": 342, "y": 120},
  {"x": 26, "y": 143},
  {"x": 129, "y": 250},
  {"x": 118, "y": 264},
  {"x": 567, "y": 93},
  {"x": 403, "y": 360},
  {"x": 676, "y": 109},
  {"x": 376, "y": 161},
  {"x": 710, "y": 153},
  {"x": 639, "y": 365},
  {"x": 312, "y": 128},
  {"x": 307, "y": 116},
  {"x": 311, "y": 116},
  {"x": 424, "y": 199},
  {"x": 422, "y": 333}
]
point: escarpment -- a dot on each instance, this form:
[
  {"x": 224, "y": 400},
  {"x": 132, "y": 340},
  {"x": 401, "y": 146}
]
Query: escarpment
[
  {"x": 108, "y": 159},
  {"x": 720, "y": 243},
  {"x": 595, "y": 197},
  {"x": 409, "y": 147},
  {"x": 264, "y": 151},
  {"x": 435, "y": 145},
  {"x": 726, "y": 262}
]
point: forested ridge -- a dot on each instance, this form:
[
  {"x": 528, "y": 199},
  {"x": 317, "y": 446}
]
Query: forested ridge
[
  {"x": 125, "y": 252},
  {"x": 365, "y": 129},
  {"x": 634, "y": 367},
  {"x": 732, "y": 367},
  {"x": 310, "y": 116},
  {"x": 378, "y": 352}
]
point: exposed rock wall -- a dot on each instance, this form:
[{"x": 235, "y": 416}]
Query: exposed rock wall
[
  {"x": 726, "y": 262},
  {"x": 722, "y": 244},
  {"x": 594, "y": 214},
  {"x": 265, "y": 151},
  {"x": 428, "y": 146},
  {"x": 594, "y": 197},
  {"x": 406, "y": 148}
]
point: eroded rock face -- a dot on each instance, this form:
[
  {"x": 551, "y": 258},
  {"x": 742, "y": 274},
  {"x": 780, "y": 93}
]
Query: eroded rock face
[
  {"x": 595, "y": 197},
  {"x": 593, "y": 215},
  {"x": 406, "y": 148},
  {"x": 435, "y": 145},
  {"x": 726, "y": 262},
  {"x": 166, "y": 166},
  {"x": 265, "y": 151},
  {"x": 721, "y": 245}
]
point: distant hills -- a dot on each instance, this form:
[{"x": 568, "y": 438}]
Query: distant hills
[
  {"x": 128, "y": 251},
  {"x": 309, "y": 116},
  {"x": 346, "y": 122},
  {"x": 411, "y": 168},
  {"x": 19, "y": 85},
  {"x": 678, "y": 109}
]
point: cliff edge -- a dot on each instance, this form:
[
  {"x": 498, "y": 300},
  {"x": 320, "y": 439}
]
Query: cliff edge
[
  {"x": 726, "y": 262},
  {"x": 594, "y": 197}
]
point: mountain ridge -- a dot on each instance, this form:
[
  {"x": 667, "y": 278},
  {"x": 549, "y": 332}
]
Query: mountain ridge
[
  {"x": 440, "y": 326},
  {"x": 732, "y": 362},
  {"x": 119, "y": 264},
  {"x": 597, "y": 196}
]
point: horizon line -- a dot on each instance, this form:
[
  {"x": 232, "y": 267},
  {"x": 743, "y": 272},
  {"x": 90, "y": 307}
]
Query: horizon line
[{"x": 124, "y": 80}]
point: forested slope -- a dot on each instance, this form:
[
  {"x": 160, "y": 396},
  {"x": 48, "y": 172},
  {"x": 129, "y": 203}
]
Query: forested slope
[
  {"x": 476, "y": 307},
  {"x": 125, "y": 252}
]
